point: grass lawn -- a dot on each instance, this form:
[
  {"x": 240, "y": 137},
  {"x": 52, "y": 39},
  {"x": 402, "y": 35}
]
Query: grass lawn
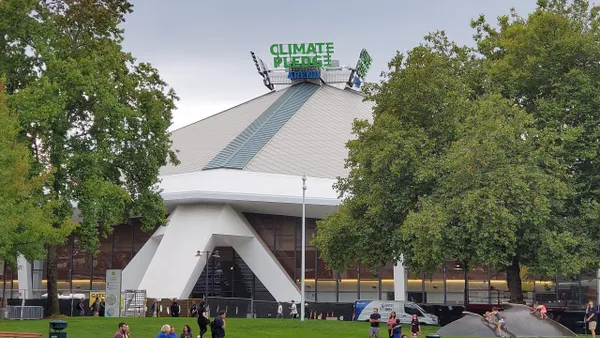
[
  {"x": 236, "y": 327},
  {"x": 90, "y": 327}
]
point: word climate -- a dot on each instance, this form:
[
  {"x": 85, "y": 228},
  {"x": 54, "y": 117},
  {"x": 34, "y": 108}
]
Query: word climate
[{"x": 303, "y": 55}]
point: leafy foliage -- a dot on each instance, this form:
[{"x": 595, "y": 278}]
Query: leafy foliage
[
  {"x": 485, "y": 155},
  {"x": 24, "y": 229},
  {"x": 92, "y": 115}
]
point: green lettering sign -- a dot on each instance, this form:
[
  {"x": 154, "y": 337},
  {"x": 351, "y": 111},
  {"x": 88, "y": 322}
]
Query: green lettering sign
[
  {"x": 364, "y": 64},
  {"x": 302, "y": 55}
]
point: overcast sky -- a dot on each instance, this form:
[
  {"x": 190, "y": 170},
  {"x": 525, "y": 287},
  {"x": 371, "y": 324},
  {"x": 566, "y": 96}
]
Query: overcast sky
[{"x": 202, "y": 47}]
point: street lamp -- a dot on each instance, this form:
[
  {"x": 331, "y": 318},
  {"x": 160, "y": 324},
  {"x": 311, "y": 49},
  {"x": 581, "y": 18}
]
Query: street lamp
[
  {"x": 208, "y": 255},
  {"x": 303, "y": 272}
]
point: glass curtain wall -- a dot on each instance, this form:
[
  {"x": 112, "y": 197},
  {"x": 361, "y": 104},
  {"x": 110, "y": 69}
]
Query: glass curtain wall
[{"x": 79, "y": 272}]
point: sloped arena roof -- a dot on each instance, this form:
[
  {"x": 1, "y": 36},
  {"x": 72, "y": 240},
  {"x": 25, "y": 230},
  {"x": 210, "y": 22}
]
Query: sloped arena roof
[{"x": 302, "y": 129}]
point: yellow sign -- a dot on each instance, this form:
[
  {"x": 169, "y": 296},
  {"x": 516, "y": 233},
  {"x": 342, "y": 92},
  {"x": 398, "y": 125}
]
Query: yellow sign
[{"x": 94, "y": 295}]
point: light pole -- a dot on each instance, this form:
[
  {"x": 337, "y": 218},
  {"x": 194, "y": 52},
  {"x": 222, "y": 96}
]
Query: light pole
[
  {"x": 303, "y": 284},
  {"x": 215, "y": 255}
]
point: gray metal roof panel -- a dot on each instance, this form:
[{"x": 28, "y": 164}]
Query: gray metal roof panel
[
  {"x": 199, "y": 142},
  {"x": 313, "y": 142},
  {"x": 241, "y": 150}
]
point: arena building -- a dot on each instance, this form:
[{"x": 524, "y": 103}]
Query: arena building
[{"x": 235, "y": 203}]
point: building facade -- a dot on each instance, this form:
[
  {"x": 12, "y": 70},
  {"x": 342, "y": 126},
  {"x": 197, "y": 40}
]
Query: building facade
[{"x": 234, "y": 227}]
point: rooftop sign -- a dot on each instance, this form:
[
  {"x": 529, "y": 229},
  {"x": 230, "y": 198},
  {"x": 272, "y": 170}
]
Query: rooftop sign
[
  {"x": 362, "y": 68},
  {"x": 302, "y": 55},
  {"x": 295, "y": 62},
  {"x": 364, "y": 63}
]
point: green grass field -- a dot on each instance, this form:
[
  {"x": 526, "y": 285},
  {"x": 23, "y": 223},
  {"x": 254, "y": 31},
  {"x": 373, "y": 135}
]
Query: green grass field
[
  {"x": 236, "y": 327},
  {"x": 90, "y": 327}
]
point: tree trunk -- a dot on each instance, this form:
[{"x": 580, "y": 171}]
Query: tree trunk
[
  {"x": 513, "y": 280},
  {"x": 466, "y": 273},
  {"x": 52, "y": 284}
]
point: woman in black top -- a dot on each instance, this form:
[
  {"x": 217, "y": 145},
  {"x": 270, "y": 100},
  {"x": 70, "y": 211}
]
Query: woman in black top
[
  {"x": 202, "y": 319},
  {"x": 415, "y": 326}
]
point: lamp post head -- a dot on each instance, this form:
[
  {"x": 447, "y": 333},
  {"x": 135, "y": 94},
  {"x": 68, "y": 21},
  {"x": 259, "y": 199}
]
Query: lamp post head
[{"x": 303, "y": 182}]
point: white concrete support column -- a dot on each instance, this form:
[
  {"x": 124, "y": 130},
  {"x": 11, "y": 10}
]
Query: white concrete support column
[
  {"x": 400, "y": 281},
  {"x": 598, "y": 286},
  {"x": 169, "y": 266},
  {"x": 25, "y": 278}
]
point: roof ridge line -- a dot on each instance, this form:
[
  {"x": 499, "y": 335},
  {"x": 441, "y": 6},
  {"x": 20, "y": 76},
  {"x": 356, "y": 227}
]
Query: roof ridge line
[
  {"x": 226, "y": 157},
  {"x": 230, "y": 108},
  {"x": 261, "y": 125}
]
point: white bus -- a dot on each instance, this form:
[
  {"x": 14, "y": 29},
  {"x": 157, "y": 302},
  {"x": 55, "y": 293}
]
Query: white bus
[{"x": 404, "y": 311}]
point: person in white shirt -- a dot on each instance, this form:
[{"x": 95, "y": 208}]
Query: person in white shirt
[
  {"x": 293, "y": 310},
  {"x": 279, "y": 310}
]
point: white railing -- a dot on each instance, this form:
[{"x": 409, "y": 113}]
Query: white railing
[{"x": 25, "y": 312}]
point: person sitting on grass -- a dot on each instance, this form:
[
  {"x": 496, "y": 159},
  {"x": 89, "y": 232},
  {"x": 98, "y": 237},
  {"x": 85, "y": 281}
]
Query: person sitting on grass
[
  {"x": 123, "y": 331},
  {"x": 187, "y": 332},
  {"x": 164, "y": 331},
  {"x": 172, "y": 333}
]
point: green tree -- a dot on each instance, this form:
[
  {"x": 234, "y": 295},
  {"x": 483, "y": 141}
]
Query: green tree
[
  {"x": 24, "y": 229},
  {"x": 549, "y": 65},
  {"x": 92, "y": 115},
  {"x": 485, "y": 156}
]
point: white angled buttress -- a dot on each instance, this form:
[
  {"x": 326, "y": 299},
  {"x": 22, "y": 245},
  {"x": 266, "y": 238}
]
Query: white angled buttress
[{"x": 167, "y": 267}]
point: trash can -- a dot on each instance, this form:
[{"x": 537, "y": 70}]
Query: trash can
[{"x": 56, "y": 327}]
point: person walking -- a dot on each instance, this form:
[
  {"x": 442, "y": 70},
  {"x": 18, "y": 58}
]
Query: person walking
[
  {"x": 154, "y": 308},
  {"x": 81, "y": 308},
  {"x": 591, "y": 314},
  {"x": 203, "y": 320},
  {"x": 293, "y": 310},
  {"x": 102, "y": 310},
  {"x": 96, "y": 307},
  {"x": 374, "y": 320},
  {"x": 218, "y": 326},
  {"x": 279, "y": 310},
  {"x": 175, "y": 308}
]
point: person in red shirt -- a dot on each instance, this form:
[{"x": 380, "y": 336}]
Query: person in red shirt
[{"x": 391, "y": 322}]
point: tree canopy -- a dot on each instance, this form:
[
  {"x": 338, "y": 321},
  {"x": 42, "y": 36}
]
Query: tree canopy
[
  {"x": 24, "y": 225},
  {"x": 485, "y": 155},
  {"x": 92, "y": 115}
]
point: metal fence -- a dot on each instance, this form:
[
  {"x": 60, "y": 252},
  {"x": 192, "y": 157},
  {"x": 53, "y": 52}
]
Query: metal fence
[{"x": 24, "y": 312}]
